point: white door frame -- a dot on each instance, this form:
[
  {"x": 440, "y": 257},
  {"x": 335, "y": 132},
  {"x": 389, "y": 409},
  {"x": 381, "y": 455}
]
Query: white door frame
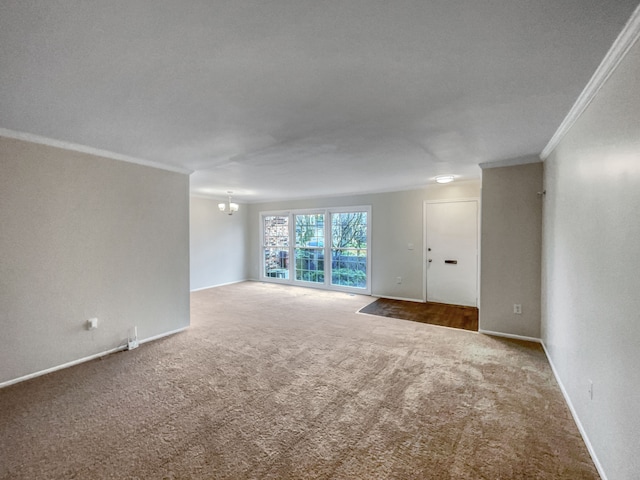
[{"x": 424, "y": 242}]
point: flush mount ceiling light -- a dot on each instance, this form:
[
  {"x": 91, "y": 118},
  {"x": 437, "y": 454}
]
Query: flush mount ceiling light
[
  {"x": 444, "y": 178},
  {"x": 228, "y": 206}
]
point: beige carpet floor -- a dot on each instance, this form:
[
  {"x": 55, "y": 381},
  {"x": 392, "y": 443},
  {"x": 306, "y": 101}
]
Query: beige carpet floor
[{"x": 282, "y": 382}]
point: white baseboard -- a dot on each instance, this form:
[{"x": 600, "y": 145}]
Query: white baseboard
[
  {"x": 85, "y": 359},
  {"x": 574, "y": 414},
  {"x": 63, "y": 366},
  {"x": 419, "y": 300},
  {"x": 510, "y": 335},
  {"x": 218, "y": 285},
  {"x": 567, "y": 399}
]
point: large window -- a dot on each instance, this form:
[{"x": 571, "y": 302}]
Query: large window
[{"x": 329, "y": 248}]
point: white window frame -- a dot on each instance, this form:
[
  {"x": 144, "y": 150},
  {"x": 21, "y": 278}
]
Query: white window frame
[
  {"x": 264, "y": 277},
  {"x": 327, "y": 211}
]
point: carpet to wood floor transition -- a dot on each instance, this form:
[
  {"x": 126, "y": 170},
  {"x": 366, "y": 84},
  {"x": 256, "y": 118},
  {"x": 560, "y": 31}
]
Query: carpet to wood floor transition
[
  {"x": 280, "y": 382},
  {"x": 442, "y": 314}
]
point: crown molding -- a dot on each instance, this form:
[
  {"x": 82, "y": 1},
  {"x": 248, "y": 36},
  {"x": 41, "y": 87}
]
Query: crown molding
[
  {"x": 627, "y": 38},
  {"x": 511, "y": 162},
  {"x": 214, "y": 198},
  {"x": 30, "y": 137}
]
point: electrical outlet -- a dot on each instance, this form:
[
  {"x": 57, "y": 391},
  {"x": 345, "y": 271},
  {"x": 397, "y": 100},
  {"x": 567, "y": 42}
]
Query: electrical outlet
[
  {"x": 517, "y": 308},
  {"x": 398, "y": 280},
  {"x": 92, "y": 323}
]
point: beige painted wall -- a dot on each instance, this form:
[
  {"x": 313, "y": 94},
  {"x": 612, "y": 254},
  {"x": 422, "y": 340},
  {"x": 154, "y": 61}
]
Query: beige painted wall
[
  {"x": 219, "y": 242},
  {"x": 397, "y": 219},
  {"x": 510, "y": 249},
  {"x": 83, "y": 236},
  {"x": 591, "y": 285}
]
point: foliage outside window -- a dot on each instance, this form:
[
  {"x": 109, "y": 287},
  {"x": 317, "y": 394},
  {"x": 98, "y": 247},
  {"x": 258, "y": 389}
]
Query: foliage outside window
[
  {"x": 309, "y": 252},
  {"x": 349, "y": 249},
  {"x": 275, "y": 243},
  {"x": 328, "y": 248}
]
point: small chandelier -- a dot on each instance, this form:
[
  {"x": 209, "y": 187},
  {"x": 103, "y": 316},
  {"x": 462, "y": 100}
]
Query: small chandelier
[{"x": 228, "y": 206}]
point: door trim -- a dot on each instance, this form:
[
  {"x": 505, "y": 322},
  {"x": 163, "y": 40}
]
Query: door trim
[{"x": 424, "y": 242}]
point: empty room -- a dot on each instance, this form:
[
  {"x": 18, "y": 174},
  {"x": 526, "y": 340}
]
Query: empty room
[{"x": 298, "y": 239}]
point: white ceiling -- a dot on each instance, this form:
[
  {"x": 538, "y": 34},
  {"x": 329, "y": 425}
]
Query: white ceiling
[{"x": 300, "y": 98}]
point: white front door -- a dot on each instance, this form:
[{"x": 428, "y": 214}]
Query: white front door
[{"x": 451, "y": 255}]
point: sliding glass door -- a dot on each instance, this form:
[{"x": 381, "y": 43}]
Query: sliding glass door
[{"x": 329, "y": 248}]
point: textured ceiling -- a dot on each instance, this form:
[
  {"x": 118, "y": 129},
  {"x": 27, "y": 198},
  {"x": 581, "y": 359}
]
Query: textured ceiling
[{"x": 298, "y": 98}]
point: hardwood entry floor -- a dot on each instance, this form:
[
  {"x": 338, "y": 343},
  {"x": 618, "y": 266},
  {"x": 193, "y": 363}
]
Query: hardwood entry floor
[{"x": 454, "y": 316}]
